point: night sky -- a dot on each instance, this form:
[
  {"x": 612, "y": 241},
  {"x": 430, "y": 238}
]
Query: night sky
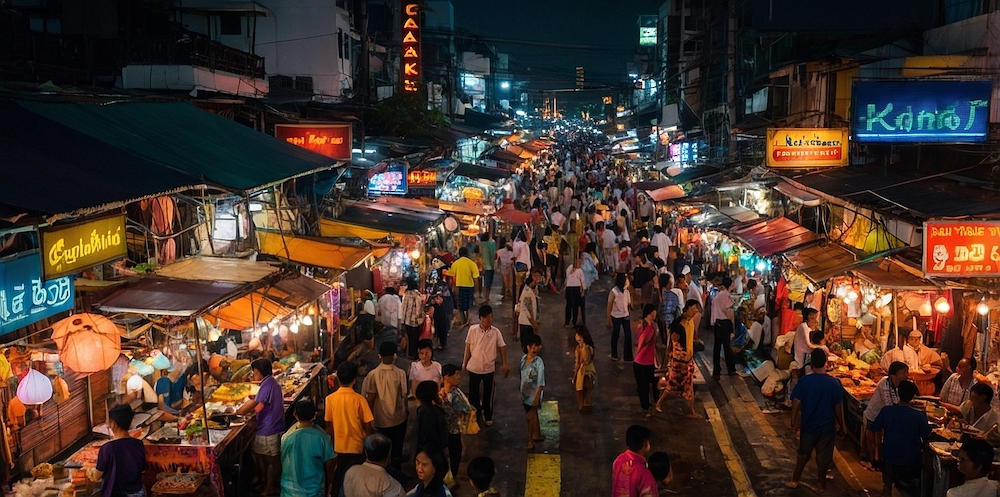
[{"x": 599, "y": 35}]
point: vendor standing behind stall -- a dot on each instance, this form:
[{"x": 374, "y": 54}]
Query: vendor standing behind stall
[
  {"x": 269, "y": 406},
  {"x": 122, "y": 460}
]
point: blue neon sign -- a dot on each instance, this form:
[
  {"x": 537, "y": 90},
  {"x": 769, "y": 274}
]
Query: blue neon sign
[
  {"x": 921, "y": 111},
  {"x": 25, "y": 297}
]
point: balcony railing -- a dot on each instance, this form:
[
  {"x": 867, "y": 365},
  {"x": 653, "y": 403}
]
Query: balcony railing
[{"x": 196, "y": 51}]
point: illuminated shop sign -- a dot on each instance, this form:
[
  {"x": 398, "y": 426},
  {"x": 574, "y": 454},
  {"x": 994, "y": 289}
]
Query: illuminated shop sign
[
  {"x": 921, "y": 111},
  {"x": 806, "y": 147},
  {"x": 391, "y": 181},
  {"x": 647, "y": 36},
  {"x": 331, "y": 140},
  {"x": 411, "y": 46},
  {"x": 26, "y": 297},
  {"x": 73, "y": 248},
  {"x": 423, "y": 178},
  {"x": 962, "y": 248}
]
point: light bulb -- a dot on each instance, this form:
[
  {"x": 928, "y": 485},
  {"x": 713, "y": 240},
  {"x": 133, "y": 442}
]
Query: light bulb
[
  {"x": 134, "y": 383},
  {"x": 294, "y": 328},
  {"x": 942, "y": 305},
  {"x": 841, "y": 291},
  {"x": 852, "y": 295},
  {"x": 925, "y": 309},
  {"x": 275, "y": 332},
  {"x": 886, "y": 298},
  {"x": 415, "y": 255},
  {"x": 983, "y": 308},
  {"x": 307, "y": 320}
]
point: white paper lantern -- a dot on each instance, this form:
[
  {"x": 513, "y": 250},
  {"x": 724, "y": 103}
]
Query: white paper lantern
[
  {"x": 134, "y": 383},
  {"x": 34, "y": 388}
]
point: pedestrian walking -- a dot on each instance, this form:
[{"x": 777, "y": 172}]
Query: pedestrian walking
[
  {"x": 505, "y": 260},
  {"x": 457, "y": 411},
  {"x": 412, "y": 316},
  {"x": 680, "y": 378},
  {"x": 905, "y": 429},
  {"x": 885, "y": 394},
  {"x": 629, "y": 475},
  {"x": 619, "y": 308},
  {"x": 306, "y": 454},
  {"x": 488, "y": 252},
  {"x": 522, "y": 262},
  {"x": 431, "y": 467},
  {"x": 483, "y": 345},
  {"x": 644, "y": 367},
  {"x": 575, "y": 286},
  {"x": 817, "y": 415},
  {"x": 527, "y": 306},
  {"x": 532, "y": 384},
  {"x": 387, "y": 311},
  {"x": 432, "y": 426},
  {"x": 348, "y": 421},
  {"x": 444, "y": 305},
  {"x": 584, "y": 373},
  {"x": 371, "y": 478},
  {"x": 425, "y": 368},
  {"x": 465, "y": 272},
  {"x": 385, "y": 389},
  {"x": 722, "y": 320}
]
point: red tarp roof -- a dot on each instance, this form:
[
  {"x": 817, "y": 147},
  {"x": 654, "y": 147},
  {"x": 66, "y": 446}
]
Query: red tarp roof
[{"x": 774, "y": 236}]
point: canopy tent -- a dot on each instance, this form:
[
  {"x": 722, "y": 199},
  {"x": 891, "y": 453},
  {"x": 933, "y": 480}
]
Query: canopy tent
[
  {"x": 773, "y": 236},
  {"x": 184, "y": 138},
  {"x": 167, "y": 297},
  {"x": 797, "y": 194},
  {"x": 363, "y": 221},
  {"x": 651, "y": 185},
  {"x": 501, "y": 155},
  {"x": 889, "y": 275},
  {"x": 520, "y": 152},
  {"x": 481, "y": 172},
  {"x": 407, "y": 207},
  {"x": 312, "y": 252},
  {"x": 218, "y": 269},
  {"x": 669, "y": 192},
  {"x": 269, "y": 302},
  {"x": 739, "y": 213},
  {"x": 821, "y": 262}
]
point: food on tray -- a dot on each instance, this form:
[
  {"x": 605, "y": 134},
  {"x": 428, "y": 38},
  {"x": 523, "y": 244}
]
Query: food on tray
[
  {"x": 87, "y": 456},
  {"x": 234, "y": 392},
  {"x": 43, "y": 470},
  {"x": 179, "y": 484}
]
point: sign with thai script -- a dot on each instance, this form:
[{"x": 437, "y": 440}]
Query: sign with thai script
[
  {"x": 647, "y": 36},
  {"x": 331, "y": 140},
  {"x": 411, "y": 71},
  {"x": 921, "y": 111},
  {"x": 422, "y": 178},
  {"x": 807, "y": 147},
  {"x": 25, "y": 297},
  {"x": 73, "y": 248},
  {"x": 961, "y": 248},
  {"x": 390, "y": 181}
]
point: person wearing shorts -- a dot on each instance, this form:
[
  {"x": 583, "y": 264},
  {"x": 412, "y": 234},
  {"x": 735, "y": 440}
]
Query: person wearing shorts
[
  {"x": 488, "y": 251},
  {"x": 465, "y": 272},
  {"x": 818, "y": 413},
  {"x": 269, "y": 404}
]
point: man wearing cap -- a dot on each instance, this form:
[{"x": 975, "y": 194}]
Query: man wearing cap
[
  {"x": 903, "y": 353},
  {"x": 929, "y": 359}
]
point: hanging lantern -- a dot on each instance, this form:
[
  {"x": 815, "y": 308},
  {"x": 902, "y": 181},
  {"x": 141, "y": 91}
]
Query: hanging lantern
[
  {"x": 942, "y": 305},
  {"x": 161, "y": 361},
  {"x": 307, "y": 320},
  {"x": 88, "y": 343},
  {"x": 983, "y": 308},
  {"x": 34, "y": 388},
  {"x": 134, "y": 383},
  {"x": 141, "y": 368}
]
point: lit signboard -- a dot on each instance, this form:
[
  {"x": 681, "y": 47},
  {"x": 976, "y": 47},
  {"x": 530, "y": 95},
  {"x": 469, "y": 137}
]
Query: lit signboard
[
  {"x": 422, "y": 178},
  {"x": 389, "y": 181},
  {"x": 411, "y": 72},
  {"x": 806, "y": 147},
  {"x": 73, "y": 248},
  {"x": 647, "y": 36},
  {"x": 26, "y": 297},
  {"x": 331, "y": 140},
  {"x": 961, "y": 248},
  {"x": 921, "y": 111}
]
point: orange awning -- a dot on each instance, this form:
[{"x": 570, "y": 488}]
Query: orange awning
[
  {"x": 243, "y": 312},
  {"x": 312, "y": 252},
  {"x": 668, "y": 192}
]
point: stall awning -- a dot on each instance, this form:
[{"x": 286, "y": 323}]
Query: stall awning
[
  {"x": 669, "y": 192},
  {"x": 481, "y": 172},
  {"x": 519, "y": 151},
  {"x": 647, "y": 186},
  {"x": 185, "y": 138},
  {"x": 710, "y": 217},
  {"x": 739, "y": 213},
  {"x": 169, "y": 297},
  {"x": 797, "y": 194},
  {"x": 821, "y": 262},
  {"x": 218, "y": 269},
  {"x": 372, "y": 224},
  {"x": 311, "y": 252},
  {"x": 246, "y": 311},
  {"x": 501, "y": 155},
  {"x": 774, "y": 236},
  {"x": 301, "y": 289},
  {"x": 888, "y": 275}
]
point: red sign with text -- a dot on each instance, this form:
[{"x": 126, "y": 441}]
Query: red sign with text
[
  {"x": 421, "y": 178},
  {"x": 331, "y": 140},
  {"x": 961, "y": 248}
]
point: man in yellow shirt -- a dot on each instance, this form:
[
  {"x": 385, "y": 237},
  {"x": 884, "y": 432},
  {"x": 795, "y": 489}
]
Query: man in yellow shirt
[
  {"x": 348, "y": 421},
  {"x": 465, "y": 272}
]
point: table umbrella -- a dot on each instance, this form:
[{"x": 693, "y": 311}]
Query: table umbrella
[
  {"x": 513, "y": 216},
  {"x": 88, "y": 343}
]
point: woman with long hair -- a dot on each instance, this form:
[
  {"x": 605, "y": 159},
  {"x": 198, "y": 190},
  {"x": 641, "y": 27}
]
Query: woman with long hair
[
  {"x": 619, "y": 308},
  {"x": 431, "y": 467},
  {"x": 644, "y": 367},
  {"x": 584, "y": 372},
  {"x": 432, "y": 424},
  {"x": 680, "y": 379}
]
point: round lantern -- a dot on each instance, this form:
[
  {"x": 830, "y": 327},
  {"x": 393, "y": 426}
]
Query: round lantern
[
  {"x": 161, "y": 361},
  {"x": 34, "y": 388},
  {"x": 88, "y": 343},
  {"x": 134, "y": 383},
  {"x": 141, "y": 368}
]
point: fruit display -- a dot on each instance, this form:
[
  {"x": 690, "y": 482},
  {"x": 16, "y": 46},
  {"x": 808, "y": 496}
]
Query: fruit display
[{"x": 234, "y": 392}]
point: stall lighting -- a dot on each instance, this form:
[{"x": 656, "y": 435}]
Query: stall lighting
[
  {"x": 925, "y": 309},
  {"x": 134, "y": 383},
  {"x": 415, "y": 255},
  {"x": 852, "y": 296},
  {"x": 942, "y": 305},
  {"x": 841, "y": 292},
  {"x": 307, "y": 320},
  {"x": 885, "y": 299},
  {"x": 294, "y": 328},
  {"x": 34, "y": 388},
  {"x": 983, "y": 308},
  {"x": 760, "y": 266}
]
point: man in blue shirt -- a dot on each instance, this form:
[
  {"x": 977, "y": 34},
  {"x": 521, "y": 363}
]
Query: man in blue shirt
[
  {"x": 818, "y": 412},
  {"x": 306, "y": 455},
  {"x": 269, "y": 404},
  {"x": 902, "y": 445}
]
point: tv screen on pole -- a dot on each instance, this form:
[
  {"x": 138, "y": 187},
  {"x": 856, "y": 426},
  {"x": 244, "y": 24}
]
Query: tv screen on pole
[{"x": 921, "y": 111}]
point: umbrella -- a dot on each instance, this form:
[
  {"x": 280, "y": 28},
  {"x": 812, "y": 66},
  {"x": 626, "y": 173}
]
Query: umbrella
[
  {"x": 88, "y": 343},
  {"x": 513, "y": 216}
]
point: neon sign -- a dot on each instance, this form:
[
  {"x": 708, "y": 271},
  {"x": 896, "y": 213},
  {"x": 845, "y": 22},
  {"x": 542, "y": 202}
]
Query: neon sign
[
  {"x": 961, "y": 248},
  {"x": 391, "y": 181},
  {"x": 921, "y": 111},
  {"x": 73, "y": 248},
  {"x": 411, "y": 70},
  {"x": 331, "y": 140}
]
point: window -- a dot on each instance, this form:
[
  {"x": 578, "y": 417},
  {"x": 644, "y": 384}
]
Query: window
[
  {"x": 231, "y": 24},
  {"x": 304, "y": 83},
  {"x": 40, "y": 24}
]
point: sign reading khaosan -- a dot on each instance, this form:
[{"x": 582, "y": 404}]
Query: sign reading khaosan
[
  {"x": 331, "y": 140},
  {"x": 921, "y": 111},
  {"x": 411, "y": 46},
  {"x": 71, "y": 249},
  {"x": 806, "y": 147},
  {"x": 961, "y": 248}
]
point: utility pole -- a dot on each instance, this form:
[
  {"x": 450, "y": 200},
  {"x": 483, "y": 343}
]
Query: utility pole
[
  {"x": 364, "y": 62},
  {"x": 731, "y": 80}
]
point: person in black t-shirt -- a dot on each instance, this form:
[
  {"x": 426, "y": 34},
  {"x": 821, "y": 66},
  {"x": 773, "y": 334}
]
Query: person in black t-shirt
[{"x": 122, "y": 460}]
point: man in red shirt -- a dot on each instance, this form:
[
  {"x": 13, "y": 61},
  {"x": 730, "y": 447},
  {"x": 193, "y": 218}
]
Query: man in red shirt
[{"x": 629, "y": 475}]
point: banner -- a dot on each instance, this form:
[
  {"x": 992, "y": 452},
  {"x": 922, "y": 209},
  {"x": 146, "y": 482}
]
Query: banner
[
  {"x": 391, "y": 181},
  {"x": 25, "y": 297},
  {"x": 921, "y": 111},
  {"x": 807, "y": 147},
  {"x": 331, "y": 140},
  {"x": 961, "y": 248},
  {"x": 73, "y": 248}
]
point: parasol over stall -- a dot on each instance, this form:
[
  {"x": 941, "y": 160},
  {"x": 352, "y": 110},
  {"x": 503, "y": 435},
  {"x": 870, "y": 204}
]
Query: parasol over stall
[
  {"x": 88, "y": 343},
  {"x": 513, "y": 216}
]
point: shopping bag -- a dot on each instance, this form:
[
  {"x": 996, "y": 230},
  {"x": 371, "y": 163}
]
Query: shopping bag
[{"x": 472, "y": 425}]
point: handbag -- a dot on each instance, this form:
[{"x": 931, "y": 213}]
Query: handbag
[{"x": 471, "y": 426}]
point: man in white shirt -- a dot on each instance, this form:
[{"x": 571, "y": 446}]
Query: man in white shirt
[
  {"x": 576, "y": 285},
  {"x": 522, "y": 261},
  {"x": 527, "y": 306},
  {"x": 694, "y": 291},
  {"x": 482, "y": 346},
  {"x": 661, "y": 241},
  {"x": 609, "y": 248},
  {"x": 388, "y": 308},
  {"x": 803, "y": 347},
  {"x": 558, "y": 219},
  {"x": 722, "y": 319},
  {"x": 904, "y": 353}
]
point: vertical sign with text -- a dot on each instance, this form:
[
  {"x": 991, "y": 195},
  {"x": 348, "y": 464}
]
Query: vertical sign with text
[{"x": 411, "y": 71}]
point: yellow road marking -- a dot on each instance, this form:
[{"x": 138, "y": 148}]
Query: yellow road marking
[
  {"x": 733, "y": 462},
  {"x": 543, "y": 477}
]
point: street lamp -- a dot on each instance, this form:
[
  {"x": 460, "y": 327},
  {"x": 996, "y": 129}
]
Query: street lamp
[{"x": 505, "y": 85}]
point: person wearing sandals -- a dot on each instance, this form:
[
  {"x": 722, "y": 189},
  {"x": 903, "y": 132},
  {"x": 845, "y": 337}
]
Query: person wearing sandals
[{"x": 532, "y": 384}]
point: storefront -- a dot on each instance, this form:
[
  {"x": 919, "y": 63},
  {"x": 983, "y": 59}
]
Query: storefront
[{"x": 477, "y": 186}]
